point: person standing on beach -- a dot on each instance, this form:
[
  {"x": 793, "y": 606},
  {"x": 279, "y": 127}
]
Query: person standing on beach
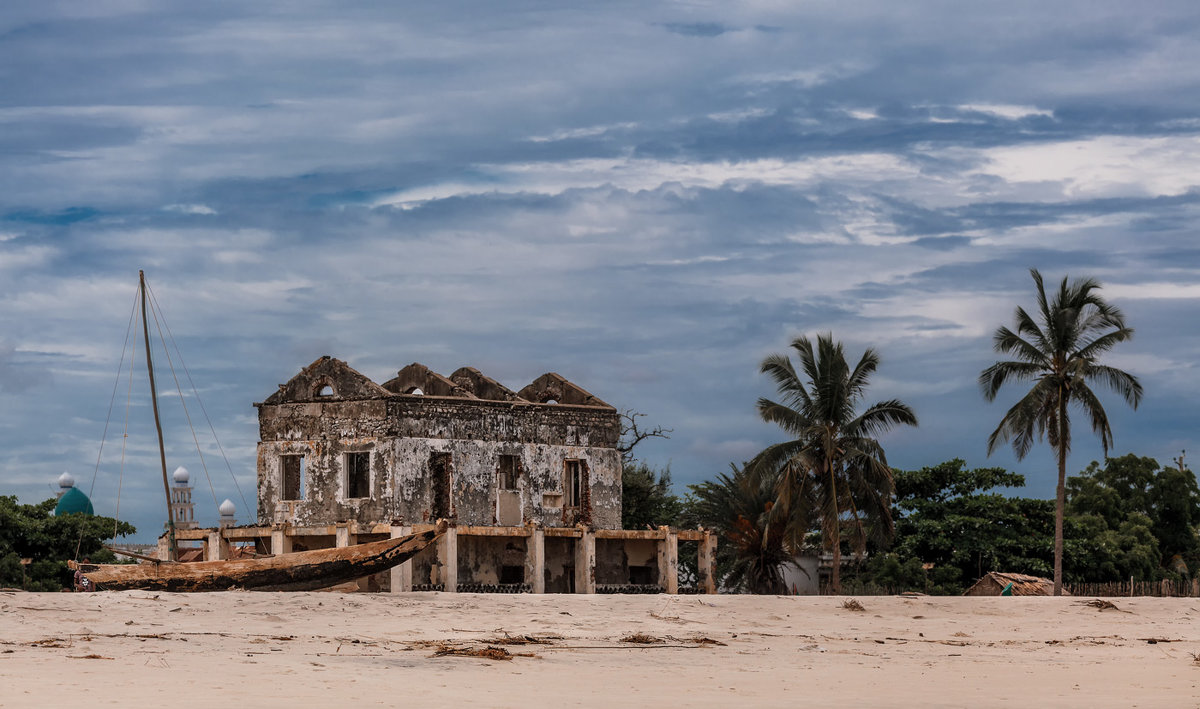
[{"x": 82, "y": 583}]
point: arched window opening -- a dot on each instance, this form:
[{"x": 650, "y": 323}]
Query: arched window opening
[
  {"x": 415, "y": 391},
  {"x": 325, "y": 391}
]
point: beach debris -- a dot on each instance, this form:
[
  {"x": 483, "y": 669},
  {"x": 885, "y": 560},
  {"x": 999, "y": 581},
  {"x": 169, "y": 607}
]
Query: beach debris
[
  {"x": 1102, "y": 605},
  {"x": 853, "y": 605},
  {"x": 1195, "y": 658},
  {"x": 491, "y": 652},
  {"x": 1155, "y": 641},
  {"x": 703, "y": 641},
  {"x": 521, "y": 640},
  {"x": 641, "y": 639},
  {"x": 92, "y": 656}
]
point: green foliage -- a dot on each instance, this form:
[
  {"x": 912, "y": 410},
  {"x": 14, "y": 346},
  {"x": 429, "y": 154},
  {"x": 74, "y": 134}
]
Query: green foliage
[
  {"x": 32, "y": 532},
  {"x": 1146, "y": 515},
  {"x": 955, "y": 521},
  {"x": 1098, "y": 553},
  {"x": 647, "y": 499},
  {"x": 756, "y": 537}
]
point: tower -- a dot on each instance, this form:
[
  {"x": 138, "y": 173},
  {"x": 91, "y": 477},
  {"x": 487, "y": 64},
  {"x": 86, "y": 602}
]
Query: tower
[{"x": 182, "y": 509}]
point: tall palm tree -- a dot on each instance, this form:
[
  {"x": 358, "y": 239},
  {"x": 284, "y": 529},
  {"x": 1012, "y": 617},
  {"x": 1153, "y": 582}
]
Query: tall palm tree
[
  {"x": 834, "y": 458},
  {"x": 1059, "y": 353}
]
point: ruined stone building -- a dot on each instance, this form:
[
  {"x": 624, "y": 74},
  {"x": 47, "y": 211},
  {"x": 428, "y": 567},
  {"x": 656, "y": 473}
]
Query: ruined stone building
[
  {"x": 530, "y": 480},
  {"x": 336, "y": 446}
]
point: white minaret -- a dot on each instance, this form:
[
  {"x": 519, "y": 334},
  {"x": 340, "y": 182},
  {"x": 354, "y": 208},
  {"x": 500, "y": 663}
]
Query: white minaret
[
  {"x": 227, "y": 511},
  {"x": 182, "y": 509}
]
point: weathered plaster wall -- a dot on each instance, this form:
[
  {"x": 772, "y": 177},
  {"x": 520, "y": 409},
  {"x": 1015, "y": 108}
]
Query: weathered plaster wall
[
  {"x": 481, "y": 559},
  {"x": 614, "y": 557},
  {"x": 401, "y": 433},
  {"x": 560, "y": 564}
]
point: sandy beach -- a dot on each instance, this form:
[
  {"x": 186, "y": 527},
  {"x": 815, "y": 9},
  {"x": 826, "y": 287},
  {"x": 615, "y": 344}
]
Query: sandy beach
[{"x": 138, "y": 649}]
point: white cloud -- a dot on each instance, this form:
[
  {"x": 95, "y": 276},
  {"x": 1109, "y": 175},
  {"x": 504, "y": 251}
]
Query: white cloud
[
  {"x": 190, "y": 209},
  {"x": 1009, "y": 111},
  {"x": 1105, "y": 166}
]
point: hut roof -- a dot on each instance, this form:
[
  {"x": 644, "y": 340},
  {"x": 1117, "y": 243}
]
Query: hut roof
[{"x": 1023, "y": 585}]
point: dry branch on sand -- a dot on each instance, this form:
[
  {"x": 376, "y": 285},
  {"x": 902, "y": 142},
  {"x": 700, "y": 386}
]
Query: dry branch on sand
[
  {"x": 522, "y": 640},
  {"x": 1102, "y": 605},
  {"x": 487, "y": 653},
  {"x": 641, "y": 639}
]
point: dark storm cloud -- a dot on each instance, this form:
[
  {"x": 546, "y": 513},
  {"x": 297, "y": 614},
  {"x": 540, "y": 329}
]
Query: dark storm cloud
[{"x": 646, "y": 197}]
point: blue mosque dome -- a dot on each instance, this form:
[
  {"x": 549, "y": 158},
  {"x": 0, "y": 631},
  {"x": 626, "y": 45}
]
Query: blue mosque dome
[{"x": 73, "y": 500}]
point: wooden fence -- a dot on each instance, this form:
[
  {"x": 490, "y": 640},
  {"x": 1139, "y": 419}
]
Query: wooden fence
[{"x": 1164, "y": 588}]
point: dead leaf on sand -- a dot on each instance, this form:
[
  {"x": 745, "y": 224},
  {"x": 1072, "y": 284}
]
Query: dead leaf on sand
[
  {"x": 88, "y": 657},
  {"x": 853, "y": 605}
]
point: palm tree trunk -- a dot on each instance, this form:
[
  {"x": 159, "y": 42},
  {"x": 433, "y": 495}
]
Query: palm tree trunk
[
  {"x": 836, "y": 577},
  {"x": 1060, "y": 502},
  {"x": 837, "y": 560}
]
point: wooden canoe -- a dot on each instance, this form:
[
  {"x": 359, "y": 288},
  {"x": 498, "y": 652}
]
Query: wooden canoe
[{"x": 298, "y": 571}]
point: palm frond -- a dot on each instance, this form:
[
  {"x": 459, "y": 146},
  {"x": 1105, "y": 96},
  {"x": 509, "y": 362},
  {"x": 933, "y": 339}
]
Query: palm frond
[{"x": 992, "y": 379}]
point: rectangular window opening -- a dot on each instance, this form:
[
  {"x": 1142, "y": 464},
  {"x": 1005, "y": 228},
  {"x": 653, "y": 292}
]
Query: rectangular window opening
[
  {"x": 509, "y": 472},
  {"x": 439, "y": 478},
  {"x": 358, "y": 474},
  {"x": 292, "y": 469},
  {"x": 573, "y": 483}
]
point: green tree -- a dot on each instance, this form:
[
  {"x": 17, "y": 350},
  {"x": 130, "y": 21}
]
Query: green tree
[
  {"x": 1130, "y": 490},
  {"x": 755, "y": 540},
  {"x": 1059, "y": 352},
  {"x": 33, "y": 532},
  {"x": 646, "y": 498},
  {"x": 834, "y": 462},
  {"x": 956, "y": 521}
]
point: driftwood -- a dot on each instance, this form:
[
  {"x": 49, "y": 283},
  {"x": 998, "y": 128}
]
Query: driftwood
[{"x": 299, "y": 571}]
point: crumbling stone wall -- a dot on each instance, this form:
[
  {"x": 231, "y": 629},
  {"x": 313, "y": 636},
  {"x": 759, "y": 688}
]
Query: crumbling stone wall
[{"x": 402, "y": 432}]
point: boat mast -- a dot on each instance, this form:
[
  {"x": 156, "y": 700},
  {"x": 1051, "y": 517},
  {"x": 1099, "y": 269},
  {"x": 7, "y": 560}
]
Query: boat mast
[{"x": 172, "y": 554}]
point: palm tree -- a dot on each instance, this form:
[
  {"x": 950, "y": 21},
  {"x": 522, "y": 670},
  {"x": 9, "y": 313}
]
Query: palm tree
[
  {"x": 759, "y": 536},
  {"x": 834, "y": 458},
  {"x": 1059, "y": 353}
]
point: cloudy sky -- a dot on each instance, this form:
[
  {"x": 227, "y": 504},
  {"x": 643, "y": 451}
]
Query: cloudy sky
[{"x": 646, "y": 197}]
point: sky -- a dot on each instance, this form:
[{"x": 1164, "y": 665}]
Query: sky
[{"x": 645, "y": 197}]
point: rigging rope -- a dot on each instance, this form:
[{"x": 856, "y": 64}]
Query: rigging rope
[
  {"x": 196, "y": 393},
  {"x": 156, "y": 312}
]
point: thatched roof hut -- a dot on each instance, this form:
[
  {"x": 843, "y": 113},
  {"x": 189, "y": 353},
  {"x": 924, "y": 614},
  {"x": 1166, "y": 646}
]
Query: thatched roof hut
[{"x": 993, "y": 582}]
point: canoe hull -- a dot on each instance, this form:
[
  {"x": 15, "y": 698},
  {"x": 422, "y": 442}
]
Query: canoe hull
[{"x": 299, "y": 571}]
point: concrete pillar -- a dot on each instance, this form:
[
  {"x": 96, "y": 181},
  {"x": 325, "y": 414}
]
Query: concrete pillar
[
  {"x": 401, "y": 573},
  {"x": 448, "y": 558},
  {"x": 343, "y": 537},
  {"x": 281, "y": 543},
  {"x": 535, "y": 560},
  {"x": 216, "y": 547},
  {"x": 585, "y": 562},
  {"x": 668, "y": 560},
  {"x": 707, "y": 564},
  {"x": 164, "y": 551}
]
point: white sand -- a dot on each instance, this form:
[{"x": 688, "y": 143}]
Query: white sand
[{"x": 340, "y": 650}]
